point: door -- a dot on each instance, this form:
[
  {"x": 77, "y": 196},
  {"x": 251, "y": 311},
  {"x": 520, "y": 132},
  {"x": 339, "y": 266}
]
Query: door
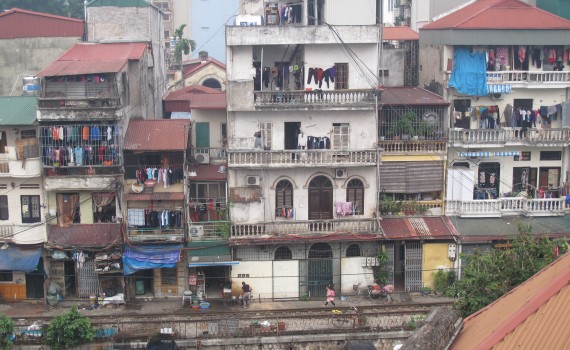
[
  {"x": 291, "y": 134},
  {"x": 413, "y": 267},
  {"x": 389, "y": 267},
  {"x": 87, "y": 279},
  {"x": 202, "y": 137},
  {"x": 320, "y": 199},
  {"x": 320, "y": 269},
  {"x": 461, "y": 119},
  {"x": 35, "y": 282}
]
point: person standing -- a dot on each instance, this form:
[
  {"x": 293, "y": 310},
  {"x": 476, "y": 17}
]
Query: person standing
[
  {"x": 246, "y": 294},
  {"x": 330, "y": 296}
]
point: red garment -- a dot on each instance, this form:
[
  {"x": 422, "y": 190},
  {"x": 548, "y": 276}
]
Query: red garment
[
  {"x": 320, "y": 74},
  {"x": 492, "y": 57},
  {"x": 552, "y": 56},
  {"x": 522, "y": 53}
]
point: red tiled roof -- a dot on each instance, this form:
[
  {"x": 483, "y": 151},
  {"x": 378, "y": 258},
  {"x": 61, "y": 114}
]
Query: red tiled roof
[
  {"x": 209, "y": 172},
  {"x": 189, "y": 90},
  {"x": 411, "y": 96},
  {"x": 18, "y": 23},
  {"x": 157, "y": 135},
  {"x": 192, "y": 66},
  {"x": 499, "y": 14},
  {"x": 85, "y": 236},
  {"x": 399, "y": 33},
  {"x": 88, "y": 58},
  {"x": 534, "y": 315},
  {"x": 158, "y": 196},
  {"x": 198, "y": 97},
  {"x": 418, "y": 228}
]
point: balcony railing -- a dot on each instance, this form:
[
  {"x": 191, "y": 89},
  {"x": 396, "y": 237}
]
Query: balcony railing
[
  {"x": 156, "y": 234},
  {"x": 329, "y": 98},
  {"x": 512, "y": 135},
  {"x": 508, "y": 206},
  {"x": 79, "y": 95},
  {"x": 409, "y": 147},
  {"x": 306, "y": 228},
  {"x": 528, "y": 77},
  {"x": 214, "y": 153},
  {"x": 317, "y": 157}
]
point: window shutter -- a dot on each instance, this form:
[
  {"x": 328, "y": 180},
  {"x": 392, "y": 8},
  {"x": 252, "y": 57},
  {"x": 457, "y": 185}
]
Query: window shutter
[
  {"x": 27, "y": 148},
  {"x": 267, "y": 134},
  {"x": 4, "y": 208}
]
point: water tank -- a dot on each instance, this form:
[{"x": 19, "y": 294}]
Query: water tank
[{"x": 31, "y": 86}]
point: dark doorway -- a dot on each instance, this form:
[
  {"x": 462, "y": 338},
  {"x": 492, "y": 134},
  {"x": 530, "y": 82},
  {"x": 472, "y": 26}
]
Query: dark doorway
[
  {"x": 320, "y": 199},
  {"x": 69, "y": 278},
  {"x": 488, "y": 180},
  {"x": 35, "y": 282},
  {"x": 143, "y": 282},
  {"x": 320, "y": 269},
  {"x": 291, "y": 133},
  {"x": 461, "y": 119},
  {"x": 215, "y": 281}
]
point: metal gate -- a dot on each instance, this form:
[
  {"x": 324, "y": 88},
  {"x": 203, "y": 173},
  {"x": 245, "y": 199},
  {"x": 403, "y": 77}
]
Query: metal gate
[
  {"x": 319, "y": 276},
  {"x": 389, "y": 268},
  {"x": 413, "y": 267},
  {"x": 87, "y": 279}
]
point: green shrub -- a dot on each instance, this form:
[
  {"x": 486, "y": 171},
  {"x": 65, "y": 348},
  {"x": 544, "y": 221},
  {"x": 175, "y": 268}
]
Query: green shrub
[
  {"x": 69, "y": 329},
  {"x": 6, "y": 331},
  {"x": 442, "y": 280}
]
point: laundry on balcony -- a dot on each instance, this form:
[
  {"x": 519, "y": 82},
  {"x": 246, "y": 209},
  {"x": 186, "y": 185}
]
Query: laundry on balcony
[
  {"x": 284, "y": 212},
  {"x": 344, "y": 208}
]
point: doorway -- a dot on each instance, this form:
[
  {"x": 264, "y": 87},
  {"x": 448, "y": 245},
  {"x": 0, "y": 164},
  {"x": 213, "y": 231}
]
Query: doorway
[
  {"x": 320, "y": 199},
  {"x": 291, "y": 134},
  {"x": 217, "y": 278},
  {"x": 143, "y": 282},
  {"x": 320, "y": 274},
  {"x": 35, "y": 282}
]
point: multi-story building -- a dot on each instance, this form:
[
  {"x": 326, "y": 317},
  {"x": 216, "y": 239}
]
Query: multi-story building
[
  {"x": 22, "y": 201},
  {"x": 507, "y": 85},
  {"x": 87, "y": 98},
  {"x": 302, "y": 146},
  {"x": 155, "y": 189}
]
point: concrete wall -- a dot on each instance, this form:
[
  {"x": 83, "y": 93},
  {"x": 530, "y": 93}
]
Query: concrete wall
[
  {"x": 215, "y": 119},
  {"x": 393, "y": 61},
  {"x": 434, "y": 257},
  {"x": 85, "y": 206},
  {"x": 25, "y": 57},
  {"x": 211, "y": 71}
]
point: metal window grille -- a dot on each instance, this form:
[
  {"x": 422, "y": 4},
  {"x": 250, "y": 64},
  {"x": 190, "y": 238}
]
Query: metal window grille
[
  {"x": 169, "y": 276},
  {"x": 283, "y": 253},
  {"x": 30, "y": 206},
  {"x": 403, "y": 123},
  {"x": 353, "y": 250}
]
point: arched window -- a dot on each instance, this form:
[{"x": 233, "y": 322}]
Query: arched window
[
  {"x": 353, "y": 250},
  {"x": 283, "y": 199},
  {"x": 283, "y": 253},
  {"x": 212, "y": 83},
  {"x": 355, "y": 195}
]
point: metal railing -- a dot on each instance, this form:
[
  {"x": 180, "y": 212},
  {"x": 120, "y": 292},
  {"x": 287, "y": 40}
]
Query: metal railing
[
  {"x": 315, "y": 97},
  {"x": 389, "y": 146},
  {"x": 314, "y": 157},
  {"x": 515, "y": 135},
  {"x": 305, "y": 227},
  {"x": 156, "y": 234},
  {"x": 528, "y": 77}
]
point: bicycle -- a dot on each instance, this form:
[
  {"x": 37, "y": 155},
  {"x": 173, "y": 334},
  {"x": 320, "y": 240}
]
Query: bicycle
[
  {"x": 340, "y": 319},
  {"x": 371, "y": 293}
]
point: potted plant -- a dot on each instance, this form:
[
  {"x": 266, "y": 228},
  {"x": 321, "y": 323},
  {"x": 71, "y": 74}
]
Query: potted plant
[
  {"x": 425, "y": 130},
  {"x": 404, "y": 126}
]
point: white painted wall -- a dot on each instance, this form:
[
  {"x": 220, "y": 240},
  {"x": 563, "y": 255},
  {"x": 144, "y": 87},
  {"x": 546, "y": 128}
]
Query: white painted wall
[
  {"x": 215, "y": 119},
  {"x": 353, "y": 273},
  {"x": 260, "y": 277},
  {"x": 286, "y": 279},
  {"x": 353, "y": 12}
]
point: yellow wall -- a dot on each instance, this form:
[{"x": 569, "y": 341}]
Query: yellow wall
[
  {"x": 434, "y": 257},
  {"x": 86, "y": 206}
]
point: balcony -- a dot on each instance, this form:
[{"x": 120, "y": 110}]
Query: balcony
[
  {"x": 79, "y": 95},
  {"x": 508, "y": 206},
  {"x": 329, "y": 99},
  {"x": 147, "y": 235},
  {"x": 533, "y": 79},
  {"x": 304, "y": 228},
  {"x": 215, "y": 154},
  {"x": 294, "y": 158},
  {"x": 509, "y": 136},
  {"x": 413, "y": 147}
]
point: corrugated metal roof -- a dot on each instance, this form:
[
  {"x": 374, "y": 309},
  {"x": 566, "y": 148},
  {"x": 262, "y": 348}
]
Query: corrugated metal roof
[
  {"x": 85, "y": 236},
  {"x": 182, "y": 94},
  {"x": 195, "y": 97},
  {"x": 90, "y": 58},
  {"x": 155, "y": 196},
  {"x": 18, "y": 110},
  {"x": 209, "y": 172},
  {"x": 418, "y": 228},
  {"x": 157, "y": 135},
  {"x": 119, "y": 3},
  {"x": 534, "y": 315},
  {"x": 411, "y": 96},
  {"x": 499, "y": 14},
  {"x": 399, "y": 33},
  {"x": 18, "y": 23},
  {"x": 192, "y": 66}
]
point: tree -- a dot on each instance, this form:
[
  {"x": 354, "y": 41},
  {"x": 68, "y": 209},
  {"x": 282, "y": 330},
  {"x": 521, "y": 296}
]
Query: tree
[
  {"x": 6, "y": 331},
  {"x": 67, "y": 8},
  {"x": 488, "y": 275},
  {"x": 183, "y": 45},
  {"x": 69, "y": 329}
]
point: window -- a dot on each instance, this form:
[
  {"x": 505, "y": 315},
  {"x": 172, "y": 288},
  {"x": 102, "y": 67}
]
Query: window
[
  {"x": 4, "y": 208},
  {"x": 283, "y": 198},
  {"x": 353, "y": 250},
  {"x": 166, "y": 17},
  {"x": 28, "y": 134},
  {"x": 104, "y": 207},
  {"x": 266, "y": 134},
  {"x": 341, "y": 136},
  {"x": 6, "y": 276},
  {"x": 27, "y": 148},
  {"x": 341, "y": 81},
  {"x": 355, "y": 195},
  {"x": 30, "y": 209},
  {"x": 283, "y": 253},
  {"x": 169, "y": 276},
  {"x": 3, "y": 142},
  {"x": 68, "y": 209},
  {"x": 550, "y": 155}
]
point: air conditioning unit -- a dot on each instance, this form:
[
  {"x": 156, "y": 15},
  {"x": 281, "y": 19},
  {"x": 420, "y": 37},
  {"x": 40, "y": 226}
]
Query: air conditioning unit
[
  {"x": 196, "y": 231},
  {"x": 497, "y": 96},
  {"x": 251, "y": 180},
  {"x": 202, "y": 158},
  {"x": 340, "y": 174}
]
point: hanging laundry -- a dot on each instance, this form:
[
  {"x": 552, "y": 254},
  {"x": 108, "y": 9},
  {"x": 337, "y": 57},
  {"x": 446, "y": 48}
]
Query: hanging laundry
[{"x": 522, "y": 53}]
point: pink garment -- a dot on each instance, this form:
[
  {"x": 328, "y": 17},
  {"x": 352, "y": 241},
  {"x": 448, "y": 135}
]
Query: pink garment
[
  {"x": 522, "y": 53},
  {"x": 502, "y": 53},
  {"x": 165, "y": 177}
]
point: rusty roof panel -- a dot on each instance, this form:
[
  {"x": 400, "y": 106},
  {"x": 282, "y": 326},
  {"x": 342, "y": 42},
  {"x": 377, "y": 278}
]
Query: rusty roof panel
[
  {"x": 18, "y": 23},
  {"x": 157, "y": 135},
  {"x": 534, "y": 315},
  {"x": 210, "y": 172},
  {"x": 411, "y": 96},
  {"x": 400, "y": 33},
  {"x": 88, "y": 58},
  {"x": 499, "y": 14},
  {"x": 85, "y": 236},
  {"x": 418, "y": 228}
]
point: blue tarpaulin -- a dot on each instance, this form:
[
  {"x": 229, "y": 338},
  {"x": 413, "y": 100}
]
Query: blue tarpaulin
[
  {"x": 469, "y": 75},
  {"x": 150, "y": 257},
  {"x": 19, "y": 259}
]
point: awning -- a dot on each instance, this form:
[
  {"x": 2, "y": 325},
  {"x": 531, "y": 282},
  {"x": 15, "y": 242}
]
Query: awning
[
  {"x": 19, "y": 259},
  {"x": 145, "y": 257},
  {"x": 209, "y": 253}
]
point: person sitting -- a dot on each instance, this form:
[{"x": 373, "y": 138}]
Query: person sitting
[{"x": 388, "y": 289}]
